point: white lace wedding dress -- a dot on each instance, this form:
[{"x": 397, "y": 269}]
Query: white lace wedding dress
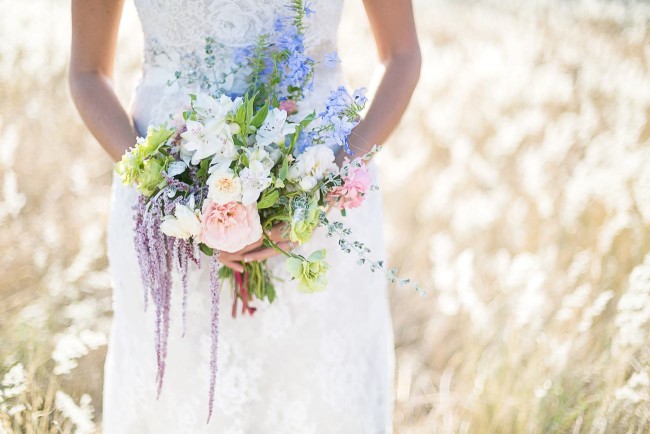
[{"x": 308, "y": 363}]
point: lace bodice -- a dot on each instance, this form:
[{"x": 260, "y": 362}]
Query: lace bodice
[{"x": 182, "y": 25}]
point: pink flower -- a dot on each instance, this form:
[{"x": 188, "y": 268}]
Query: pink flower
[
  {"x": 289, "y": 106},
  {"x": 231, "y": 226},
  {"x": 352, "y": 192}
]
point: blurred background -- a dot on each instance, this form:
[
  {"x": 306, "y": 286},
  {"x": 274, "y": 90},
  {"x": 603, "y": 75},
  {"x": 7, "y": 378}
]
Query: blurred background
[{"x": 517, "y": 191}]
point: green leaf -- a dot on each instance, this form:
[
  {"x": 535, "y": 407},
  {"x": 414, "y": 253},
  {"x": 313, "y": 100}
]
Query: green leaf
[
  {"x": 284, "y": 170},
  {"x": 203, "y": 169},
  {"x": 318, "y": 255},
  {"x": 308, "y": 119},
  {"x": 240, "y": 116},
  {"x": 205, "y": 249},
  {"x": 249, "y": 110},
  {"x": 238, "y": 142},
  {"x": 269, "y": 198},
  {"x": 270, "y": 292},
  {"x": 260, "y": 116},
  {"x": 225, "y": 272}
]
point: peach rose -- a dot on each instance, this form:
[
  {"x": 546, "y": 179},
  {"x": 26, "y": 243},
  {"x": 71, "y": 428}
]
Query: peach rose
[{"x": 230, "y": 227}]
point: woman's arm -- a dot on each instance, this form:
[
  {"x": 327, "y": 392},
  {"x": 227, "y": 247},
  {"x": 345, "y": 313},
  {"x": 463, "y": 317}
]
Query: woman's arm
[
  {"x": 94, "y": 37},
  {"x": 393, "y": 28}
]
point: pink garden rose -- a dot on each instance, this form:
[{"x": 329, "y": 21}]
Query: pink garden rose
[
  {"x": 355, "y": 185},
  {"x": 231, "y": 226},
  {"x": 289, "y": 106}
]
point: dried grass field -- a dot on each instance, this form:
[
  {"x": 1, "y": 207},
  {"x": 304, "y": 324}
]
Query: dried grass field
[{"x": 517, "y": 190}]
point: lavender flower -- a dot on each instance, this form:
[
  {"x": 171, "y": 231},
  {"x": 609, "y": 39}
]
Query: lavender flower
[{"x": 214, "y": 330}]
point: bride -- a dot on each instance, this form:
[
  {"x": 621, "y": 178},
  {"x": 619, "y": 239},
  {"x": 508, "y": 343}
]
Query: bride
[{"x": 308, "y": 363}]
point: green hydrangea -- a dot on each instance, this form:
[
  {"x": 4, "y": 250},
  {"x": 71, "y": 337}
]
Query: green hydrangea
[
  {"x": 303, "y": 225},
  {"x": 311, "y": 273},
  {"x": 151, "y": 176},
  {"x": 139, "y": 164}
]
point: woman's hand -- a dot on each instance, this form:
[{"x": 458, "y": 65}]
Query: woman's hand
[{"x": 257, "y": 251}]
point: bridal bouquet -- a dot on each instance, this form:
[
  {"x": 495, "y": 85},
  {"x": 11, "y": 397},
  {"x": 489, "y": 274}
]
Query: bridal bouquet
[{"x": 229, "y": 168}]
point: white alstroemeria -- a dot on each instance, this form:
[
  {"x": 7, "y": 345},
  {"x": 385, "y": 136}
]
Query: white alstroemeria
[
  {"x": 274, "y": 128},
  {"x": 226, "y": 155},
  {"x": 185, "y": 222},
  {"x": 206, "y": 139},
  {"x": 257, "y": 153},
  {"x": 254, "y": 180},
  {"x": 223, "y": 185},
  {"x": 212, "y": 109},
  {"x": 274, "y": 152},
  {"x": 316, "y": 162}
]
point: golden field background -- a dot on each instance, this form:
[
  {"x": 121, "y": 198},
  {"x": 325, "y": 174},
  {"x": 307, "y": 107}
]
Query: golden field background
[{"x": 517, "y": 191}]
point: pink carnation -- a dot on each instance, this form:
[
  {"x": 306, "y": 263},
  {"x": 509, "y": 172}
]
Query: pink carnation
[
  {"x": 289, "y": 106},
  {"x": 230, "y": 227},
  {"x": 355, "y": 185}
]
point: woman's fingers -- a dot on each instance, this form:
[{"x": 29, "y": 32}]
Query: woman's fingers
[
  {"x": 266, "y": 252},
  {"x": 249, "y": 247},
  {"x": 255, "y": 251},
  {"x": 278, "y": 232},
  {"x": 232, "y": 261},
  {"x": 233, "y": 265}
]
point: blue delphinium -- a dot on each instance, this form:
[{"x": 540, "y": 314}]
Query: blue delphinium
[
  {"x": 241, "y": 56},
  {"x": 296, "y": 66},
  {"x": 331, "y": 59},
  {"x": 340, "y": 116}
]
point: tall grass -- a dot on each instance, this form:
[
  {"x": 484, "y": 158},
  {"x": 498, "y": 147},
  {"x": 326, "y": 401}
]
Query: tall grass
[{"x": 517, "y": 190}]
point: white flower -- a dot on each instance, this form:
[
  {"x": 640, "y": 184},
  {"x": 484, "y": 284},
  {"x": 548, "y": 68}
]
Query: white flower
[
  {"x": 254, "y": 180},
  {"x": 312, "y": 166},
  {"x": 224, "y": 186},
  {"x": 258, "y": 153},
  {"x": 212, "y": 109},
  {"x": 206, "y": 140},
  {"x": 307, "y": 183},
  {"x": 185, "y": 222},
  {"x": 236, "y": 103},
  {"x": 274, "y": 128}
]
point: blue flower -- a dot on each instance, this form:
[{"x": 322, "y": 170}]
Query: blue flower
[
  {"x": 289, "y": 38},
  {"x": 308, "y": 10},
  {"x": 331, "y": 59},
  {"x": 297, "y": 69},
  {"x": 279, "y": 24},
  {"x": 359, "y": 97},
  {"x": 241, "y": 56}
]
